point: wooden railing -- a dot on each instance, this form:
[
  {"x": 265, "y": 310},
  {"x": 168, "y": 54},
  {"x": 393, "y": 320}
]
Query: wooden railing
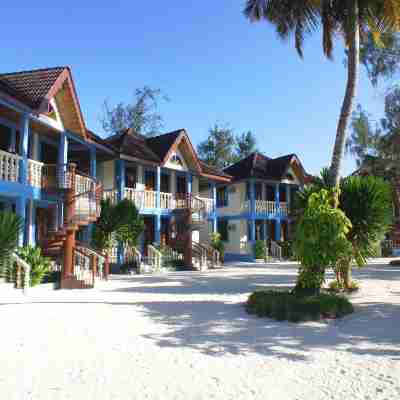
[
  {"x": 35, "y": 173},
  {"x": 266, "y": 207},
  {"x": 83, "y": 268},
  {"x": 96, "y": 260},
  {"x": 26, "y": 268},
  {"x": 9, "y": 166},
  {"x": 167, "y": 201},
  {"x": 155, "y": 257}
]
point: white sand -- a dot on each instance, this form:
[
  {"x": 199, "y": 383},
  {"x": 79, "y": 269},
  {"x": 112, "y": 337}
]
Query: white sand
[{"x": 187, "y": 336}]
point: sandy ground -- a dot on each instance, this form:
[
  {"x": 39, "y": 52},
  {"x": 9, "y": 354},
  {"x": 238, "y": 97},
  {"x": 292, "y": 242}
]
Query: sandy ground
[{"x": 187, "y": 336}]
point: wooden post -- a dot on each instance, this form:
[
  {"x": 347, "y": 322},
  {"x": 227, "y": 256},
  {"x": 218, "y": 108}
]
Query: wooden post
[
  {"x": 106, "y": 267},
  {"x": 188, "y": 256}
]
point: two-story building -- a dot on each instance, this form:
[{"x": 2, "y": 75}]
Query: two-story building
[{"x": 255, "y": 204}]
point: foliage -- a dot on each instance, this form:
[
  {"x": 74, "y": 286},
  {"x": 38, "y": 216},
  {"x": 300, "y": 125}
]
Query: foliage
[
  {"x": 130, "y": 226},
  {"x": 381, "y": 61},
  {"x": 246, "y": 143},
  {"x": 367, "y": 202},
  {"x": 218, "y": 244},
  {"x": 40, "y": 265},
  {"x": 119, "y": 221},
  {"x": 218, "y": 149},
  {"x": 260, "y": 250},
  {"x": 287, "y": 249},
  {"x": 10, "y": 227},
  {"x": 321, "y": 240},
  {"x": 287, "y": 306},
  {"x": 141, "y": 115}
]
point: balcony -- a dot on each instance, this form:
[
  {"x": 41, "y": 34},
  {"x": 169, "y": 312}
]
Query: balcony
[
  {"x": 147, "y": 199},
  {"x": 266, "y": 207}
]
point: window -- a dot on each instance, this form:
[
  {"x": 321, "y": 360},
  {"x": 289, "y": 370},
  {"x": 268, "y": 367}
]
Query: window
[
  {"x": 175, "y": 159},
  {"x": 165, "y": 183},
  {"x": 150, "y": 180},
  {"x": 222, "y": 197},
  {"x": 222, "y": 228}
]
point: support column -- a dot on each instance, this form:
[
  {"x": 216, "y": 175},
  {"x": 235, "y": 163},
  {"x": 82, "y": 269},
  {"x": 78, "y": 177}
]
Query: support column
[
  {"x": 172, "y": 182},
  {"x": 158, "y": 187},
  {"x": 120, "y": 178},
  {"x": 20, "y": 209},
  {"x": 23, "y": 149},
  {"x": 63, "y": 149},
  {"x": 12, "y": 148},
  {"x": 214, "y": 197},
  {"x": 31, "y": 223},
  {"x": 277, "y": 230},
  {"x": 189, "y": 182},
  {"x": 277, "y": 199},
  {"x": 157, "y": 229},
  {"x": 140, "y": 176},
  {"x": 93, "y": 163},
  {"x": 252, "y": 212}
]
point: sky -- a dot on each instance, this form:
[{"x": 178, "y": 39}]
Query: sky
[{"x": 214, "y": 65}]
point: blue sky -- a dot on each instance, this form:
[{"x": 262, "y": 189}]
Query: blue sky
[{"x": 211, "y": 62}]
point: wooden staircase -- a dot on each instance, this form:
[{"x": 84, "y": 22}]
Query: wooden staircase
[
  {"x": 190, "y": 215},
  {"x": 81, "y": 197}
]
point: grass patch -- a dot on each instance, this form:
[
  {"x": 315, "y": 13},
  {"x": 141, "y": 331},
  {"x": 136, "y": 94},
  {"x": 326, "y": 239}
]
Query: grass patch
[{"x": 285, "y": 306}]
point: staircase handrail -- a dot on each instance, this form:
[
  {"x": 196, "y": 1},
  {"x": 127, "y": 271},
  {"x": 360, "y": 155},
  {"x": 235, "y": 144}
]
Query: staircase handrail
[
  {"x": 27, "y": 271},
  {"x": 276, "y": 250},
  {"x": 155, "y": 256}
]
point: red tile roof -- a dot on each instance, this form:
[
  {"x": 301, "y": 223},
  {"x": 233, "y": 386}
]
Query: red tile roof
[{"x": 32, "y": 86}]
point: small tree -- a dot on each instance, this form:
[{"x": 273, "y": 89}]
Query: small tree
[
  {"x": 246, "y": 143},
  {"x": 321, "y": 240},
  {"x": 218, "y": 244},
  {"x": 142, "y": 114}
]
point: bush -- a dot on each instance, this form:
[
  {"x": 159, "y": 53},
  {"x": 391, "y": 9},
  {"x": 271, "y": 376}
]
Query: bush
[
  {"x": 337, "y": 287},
  {"x": 260, "y": 250},
  {"x": 40, "y": 265},
  {"x": 287, "y": 306},
  {"x": 218, "y": 244},
  {"x": 287, "y": 249}
]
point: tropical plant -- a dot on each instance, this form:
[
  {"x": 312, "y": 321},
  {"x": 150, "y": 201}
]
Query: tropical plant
[
  {"x": 321, "y": 241},
  {"x": 246, "y": 143},
  {"x": 352, "y": 20},
  {"x": 260, "y": 250},
  {"x": 40, "y": 265},
  {"x": 218, "y": 244},
  {"x": 117, "y": 222},
  {"x": 367, "y": 203},
  {"x": 10, "y": 228}
]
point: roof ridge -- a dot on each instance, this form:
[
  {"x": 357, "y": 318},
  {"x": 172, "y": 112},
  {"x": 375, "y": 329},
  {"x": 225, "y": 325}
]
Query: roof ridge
[
  {"x": 34, "y": 70},
  {"x": 167, "y": 133}
]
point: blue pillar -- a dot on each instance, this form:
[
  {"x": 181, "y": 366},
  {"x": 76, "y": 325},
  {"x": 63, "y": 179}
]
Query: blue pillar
[
  {"x": 288, "y": 199},
  {"x": 31, "y": 223},
  {"x": 20, "y": 208},
  {"x": 63, "y": 149},
  {"x": 189, "y": 182},
  {"x": 93, "y": 163},
  {"x": 23, "y": 149},
  {"x": 252, "y": 212},
  {"x": 214, "y": 197},
  {"x": 158, "y": 187},
  {"x": 277, "y": 198},
  {"x": 120, "y": 178},
  {"x": 277, "y": 230},
  {"x": 157, "y": 238}
]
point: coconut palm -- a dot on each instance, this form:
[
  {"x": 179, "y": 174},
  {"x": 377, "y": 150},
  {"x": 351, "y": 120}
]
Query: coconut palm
[{"x": 352, "y": 20}]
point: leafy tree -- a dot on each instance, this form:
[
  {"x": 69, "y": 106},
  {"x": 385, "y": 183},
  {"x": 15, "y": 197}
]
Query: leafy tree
[
  {"x": 246, "y": 143},
  {"x": 321, "y": 240},
  {"x": 119, "y": 221},
  {"x": 10, "y": 228},
  {"x": 142, "y": 114},
  {"x": 351, "y": 20},
  {"x": 218, "y": 149},
  {"x": 366, "y": 202},
  {"x": 40, "y": 265}
]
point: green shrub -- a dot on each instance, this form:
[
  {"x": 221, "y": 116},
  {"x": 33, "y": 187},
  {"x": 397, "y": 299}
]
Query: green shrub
[
  {"x": 260, "y": 250},
  {"x": 287, "y": 306},
  {"x": 287, "y": 249},
  {"x": 218, "y": 244},
  {"x": 337, "y": 287},
  {"x": 40, "y": 265}
]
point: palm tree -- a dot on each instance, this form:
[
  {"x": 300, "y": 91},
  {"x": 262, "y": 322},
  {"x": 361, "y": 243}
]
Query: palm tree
[{"x": 351, "y": 19}]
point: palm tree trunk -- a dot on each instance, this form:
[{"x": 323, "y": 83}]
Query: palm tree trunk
[{"x": 351, "y": 88}]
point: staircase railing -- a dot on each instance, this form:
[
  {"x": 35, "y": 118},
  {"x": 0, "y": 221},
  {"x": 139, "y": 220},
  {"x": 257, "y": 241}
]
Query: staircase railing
[
  {"x": 22, "y": 264},
  {"x": 83, "y": 269},
  {"x": 155, "y": 257},
  {"x": 132, "y": 254},
  {"x": 97, "y": 260},
  {"x": 276, "y": 250},
  {"x": 200, "y": 253}
]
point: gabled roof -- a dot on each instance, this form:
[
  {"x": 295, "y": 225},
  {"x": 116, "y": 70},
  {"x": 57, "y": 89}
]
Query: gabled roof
[
  {"x": 31, "y": 87},
  {"x": 259, "y": 166},
  {"x": 162, "y": 144},
  {"x": 35, "y": 88},
  {"x": 132, "y": 144},
  {"x": 211, "y": 172}
]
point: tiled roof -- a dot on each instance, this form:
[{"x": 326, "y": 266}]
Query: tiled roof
[
  {"x": 209, "y": 170},
  {"x": 30, "y": 87},
  {"x": 161, "y": 144},
  {"x": 132, "y": 144},
  {"x": 257, "y": 165}
]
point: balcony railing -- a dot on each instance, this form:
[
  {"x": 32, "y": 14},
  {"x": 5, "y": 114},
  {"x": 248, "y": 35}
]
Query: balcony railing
[
  {"x": 9, "y": 166},
  {"x": 266, "y": 207},
  {"x": 147, "y": 199}
]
